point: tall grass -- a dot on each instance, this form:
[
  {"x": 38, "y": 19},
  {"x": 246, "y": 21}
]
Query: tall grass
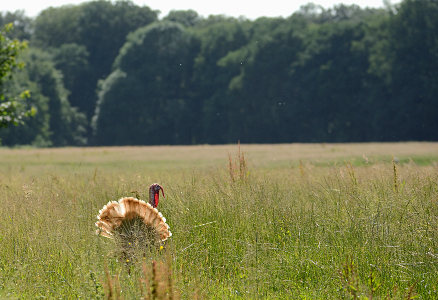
[{"x": 304, "y": 230}]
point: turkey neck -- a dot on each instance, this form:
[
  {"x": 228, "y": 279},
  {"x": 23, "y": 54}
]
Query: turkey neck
[{"x": 154, "y": 196}]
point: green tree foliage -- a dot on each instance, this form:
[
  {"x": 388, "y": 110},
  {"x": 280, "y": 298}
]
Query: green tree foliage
[
  {"x": 100, "y": 28},
  {"x": 219, "y": 36},
  {"x": 55, "y": 26},
  {"x": 413, "y": 52},
  {"x": 341, "y": 74},
  {"x": 103, "y": 29},
  {"x": 262, "y": 89},
  {"x": 146, "y": 100},
  {"x": 72, "y": 61},
  {"x": 22, "y": 25},
  {"x": 11, "y": 112},
  {"x": 188, "y": 18},
  {"x": 328, "y": 83},
  {"x": 56, "y": 122}
]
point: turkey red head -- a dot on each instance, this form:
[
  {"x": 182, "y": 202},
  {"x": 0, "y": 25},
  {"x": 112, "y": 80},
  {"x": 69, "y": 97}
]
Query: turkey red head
[{"x": 154, "y": 194}]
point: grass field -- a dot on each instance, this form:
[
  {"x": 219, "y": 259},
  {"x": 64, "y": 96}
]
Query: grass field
[{"x": 310, "y": 221}]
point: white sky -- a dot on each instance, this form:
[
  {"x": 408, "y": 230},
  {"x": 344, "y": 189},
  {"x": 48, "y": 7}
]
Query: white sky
[{"x": 235, "y": 8}]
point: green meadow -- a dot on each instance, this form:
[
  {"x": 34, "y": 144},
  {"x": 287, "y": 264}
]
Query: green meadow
[{"x": 290, "y": 221}]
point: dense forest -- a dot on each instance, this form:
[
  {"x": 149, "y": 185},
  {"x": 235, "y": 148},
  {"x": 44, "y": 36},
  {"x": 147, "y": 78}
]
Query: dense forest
[{"x": 114, "y": 73}]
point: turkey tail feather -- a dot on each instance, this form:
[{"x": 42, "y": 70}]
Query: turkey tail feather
[{"x": 117, "y": 214}]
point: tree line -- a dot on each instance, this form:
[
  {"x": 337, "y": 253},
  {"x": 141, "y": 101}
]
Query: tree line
[{"x": 113, "y": 73}]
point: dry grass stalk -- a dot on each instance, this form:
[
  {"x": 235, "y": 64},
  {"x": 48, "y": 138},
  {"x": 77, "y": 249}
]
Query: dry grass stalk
[
  {"x": 351, "y": 173},
  {"x": 157, "y": 282},
  {"x": 231, "y": 167},
  {"x": 411, "y": 293},
  {"x": 237, "y": 168},
  {"x": 108, "y": 285},
  {"x": 154, "y": 285},
  {"x": 112, "y": 286},
  {"x": 169, "y": 280},
  {"x": 302, "y": 171},
  {"x": 394, "y": 168}
]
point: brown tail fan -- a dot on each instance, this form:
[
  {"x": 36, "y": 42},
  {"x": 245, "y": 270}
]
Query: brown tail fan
[{"x": 130, "y": 221}]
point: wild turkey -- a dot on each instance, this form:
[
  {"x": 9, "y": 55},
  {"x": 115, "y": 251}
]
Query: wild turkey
[{"x": 133, "y": 223}]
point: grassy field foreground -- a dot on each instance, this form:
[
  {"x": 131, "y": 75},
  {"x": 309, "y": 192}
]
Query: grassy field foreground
[{"x": 344, "y": 221}]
